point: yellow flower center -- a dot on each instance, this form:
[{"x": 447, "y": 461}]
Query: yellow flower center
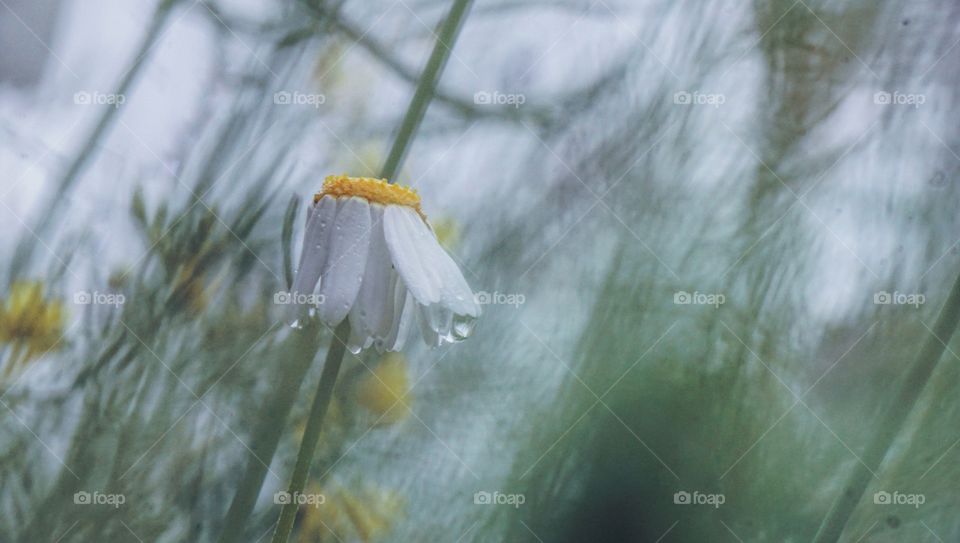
[{"x": 373, "y": 190}]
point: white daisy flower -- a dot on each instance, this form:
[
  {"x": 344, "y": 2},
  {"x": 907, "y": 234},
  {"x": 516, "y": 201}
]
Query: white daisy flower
[{"x": 369, "y": 255}]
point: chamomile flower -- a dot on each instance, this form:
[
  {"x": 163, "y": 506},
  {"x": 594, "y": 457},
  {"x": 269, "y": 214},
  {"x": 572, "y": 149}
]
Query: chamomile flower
[{"x": 370, "y": 255}]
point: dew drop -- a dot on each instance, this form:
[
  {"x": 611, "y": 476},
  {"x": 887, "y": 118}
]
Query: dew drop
[{"x": 462, "y": 327}]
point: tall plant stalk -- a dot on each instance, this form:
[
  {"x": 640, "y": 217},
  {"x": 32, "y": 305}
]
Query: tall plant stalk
[
  {"x": 297, "y": 354},
  {"x": 891, "y": 425},
  {"x": 422, "y": 96}
]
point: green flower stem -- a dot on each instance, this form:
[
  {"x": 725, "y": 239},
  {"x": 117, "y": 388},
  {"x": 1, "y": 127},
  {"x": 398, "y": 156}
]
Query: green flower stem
[
  {"x": 422, "y": 96},
  {"x": 425, "y": 88},
  {"x": 293, "y": 363},
  {"x": 311, "y": 434},
  {"x": 900, "y": 407}
]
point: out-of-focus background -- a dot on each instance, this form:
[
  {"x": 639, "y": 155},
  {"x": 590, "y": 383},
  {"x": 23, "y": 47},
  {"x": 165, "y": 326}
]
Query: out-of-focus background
[{"x": 710, "y": 237}]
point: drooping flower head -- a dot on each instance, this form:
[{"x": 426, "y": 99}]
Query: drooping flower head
[{"x": 370, "y": 255}]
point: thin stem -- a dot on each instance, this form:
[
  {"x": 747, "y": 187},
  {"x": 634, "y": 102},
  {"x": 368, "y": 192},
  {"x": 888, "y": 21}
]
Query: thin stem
[
  {"x": 463, "y": 104},
  {"x": 408, "y": 128},
  {"x": 426, "y": 87},
  {"x": 311, "y": 434},
  {"x": 292, "y": 367},
  {"x": 903, "y": 403}
]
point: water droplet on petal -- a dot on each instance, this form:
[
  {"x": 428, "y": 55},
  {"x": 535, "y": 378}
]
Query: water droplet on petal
[{"x": 462, "y": 327}]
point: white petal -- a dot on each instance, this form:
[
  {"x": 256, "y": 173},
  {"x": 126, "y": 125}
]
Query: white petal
[
  {"x": 440, "y": 319},
  {"x": 397, "y": 295},
  {"x": 316, "y": 241},
  {"x": 401, "y": 234},
  {"x": 430, "y": 336},
  {"x": 447, "y": 309},
  {"x": 455, "y": 293},
  {"x": 343, "y": 272},
  {"x": 376, "y": 292},
  {"x": 404, "y": 309}
]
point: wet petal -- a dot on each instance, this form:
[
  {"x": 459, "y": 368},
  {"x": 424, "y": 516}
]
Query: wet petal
[
  {"x": 455, "y": 293},
  {"x": 376, "y": 292},
  {"x": 401, "y": 234},
  {"x": 343, "y": 272},
  {"x": 316, "y": 242},
  {"x": 404, "y": 309}
]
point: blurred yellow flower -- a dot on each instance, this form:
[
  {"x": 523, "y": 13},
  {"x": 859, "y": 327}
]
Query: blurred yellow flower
[
  {"x": 345, "y": 515},
  {"x": 384, "y": 392},
  {"x": 447, "y": 231},
  {"x": 29, "y": 322}
]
